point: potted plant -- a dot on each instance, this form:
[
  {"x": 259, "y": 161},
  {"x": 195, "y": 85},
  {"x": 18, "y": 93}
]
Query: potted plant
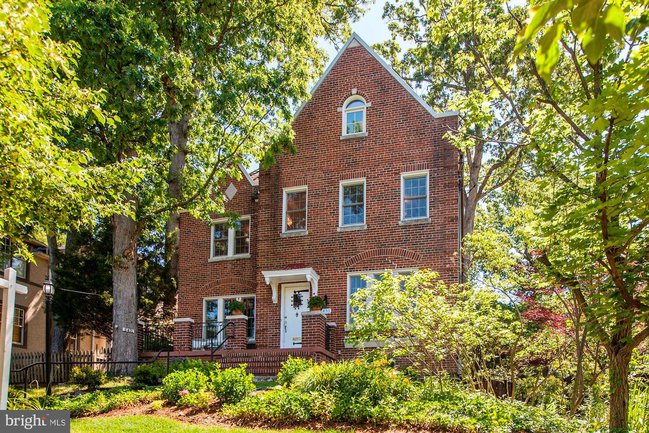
[
  {"x": 316, "y": 303},
  {"x": 236, "y": 307}
]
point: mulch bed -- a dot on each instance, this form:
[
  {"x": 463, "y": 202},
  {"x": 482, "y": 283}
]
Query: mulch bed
[{"x": 213, "y": 418}]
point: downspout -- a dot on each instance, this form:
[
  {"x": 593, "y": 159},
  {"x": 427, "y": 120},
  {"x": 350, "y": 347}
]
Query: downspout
[{"x": 460, "y": 220}]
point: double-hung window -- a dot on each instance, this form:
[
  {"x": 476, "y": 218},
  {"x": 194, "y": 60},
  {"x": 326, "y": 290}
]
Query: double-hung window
[
  {"x": 414, "y": 195},
  {"x": 352, "y": 202},
  {"x": 294, "y": 218},
  {"x": 230, "y": 240},
  {"x": 359, "y": 280},
  {"x": 19, "y": 326}
]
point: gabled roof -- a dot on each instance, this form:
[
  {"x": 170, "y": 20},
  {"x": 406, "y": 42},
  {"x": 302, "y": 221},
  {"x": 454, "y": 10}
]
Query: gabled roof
[
  {"x": 355, "y": 41},
  {"x": 254, "y": 180}
]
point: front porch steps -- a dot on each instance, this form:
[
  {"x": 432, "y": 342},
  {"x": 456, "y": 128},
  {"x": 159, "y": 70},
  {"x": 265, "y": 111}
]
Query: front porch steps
[{"x": 260, "y": 362}]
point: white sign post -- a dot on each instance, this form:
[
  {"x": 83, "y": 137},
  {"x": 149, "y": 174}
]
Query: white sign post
[{"x": 9, "y": 290}]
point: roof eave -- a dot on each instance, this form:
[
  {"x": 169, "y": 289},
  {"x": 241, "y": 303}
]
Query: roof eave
[{"x": 409, "y": 89}]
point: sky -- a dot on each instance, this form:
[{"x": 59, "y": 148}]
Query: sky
[{"x": 371, "y": 27}]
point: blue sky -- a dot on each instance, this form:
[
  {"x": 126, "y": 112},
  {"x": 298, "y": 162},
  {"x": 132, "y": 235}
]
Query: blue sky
[{"x": 371, "y": 27}]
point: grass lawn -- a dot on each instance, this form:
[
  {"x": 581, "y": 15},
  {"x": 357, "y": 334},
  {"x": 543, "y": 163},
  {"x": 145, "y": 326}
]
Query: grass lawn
[{"x": 150, "y": 423}]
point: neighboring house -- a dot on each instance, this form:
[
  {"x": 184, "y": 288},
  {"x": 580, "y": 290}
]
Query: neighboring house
[
  {"x": 29, "y": 313},
  {"x": 373, "y": 186}
]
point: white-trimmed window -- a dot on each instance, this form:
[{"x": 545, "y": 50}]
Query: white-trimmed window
[
  {"x": 230, "y": 241},
  {"x": 294, "y": 215},
  {"x": 18, "y": 337},
  {"x": 414, "y": 195},
  {"x": 216, "y": 309},
  {"x": 354, "y": 115},
  {"x": 359, "y": 280},
  {"x": 352, "y": 202}
]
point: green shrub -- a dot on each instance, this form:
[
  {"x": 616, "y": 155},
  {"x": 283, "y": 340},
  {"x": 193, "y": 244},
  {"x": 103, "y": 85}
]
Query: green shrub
[
  {"x": 356, "y": 386},
  {"x": 284, "y": 405},
  {"x": 97, "y": 402},
  {"x": 232, "y": 384},
  {"x": 180, "y": 383},
  {"x": 374, "y": 392},
  {"x": 291, "y": 367},
  {"x": 87, "y": 376},
  {"x": 150, "y": 374},
  {"x": 156, "y": 405},
  {"x": 198, "y": 400},
  {"x": 204, "y": 367}
]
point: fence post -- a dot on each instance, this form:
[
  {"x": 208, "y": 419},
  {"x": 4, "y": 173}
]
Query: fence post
[{"x": 140, "y": 336}]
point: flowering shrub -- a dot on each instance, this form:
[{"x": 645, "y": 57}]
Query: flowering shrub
[
  {"x": 198, "y": 400},
  {"x": 180, "y": 384},
  {"x": 291, "y": 367},
  {"x": 232, "y": 384}
]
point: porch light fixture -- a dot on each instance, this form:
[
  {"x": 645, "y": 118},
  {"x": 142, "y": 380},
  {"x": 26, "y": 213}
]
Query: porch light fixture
[{"x": 48, "y": 287}]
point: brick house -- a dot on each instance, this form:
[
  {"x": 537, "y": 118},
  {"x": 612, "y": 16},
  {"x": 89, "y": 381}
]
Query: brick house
[
  {"x": 373, "y": 186},
  {"x": 28, "y": 334}
]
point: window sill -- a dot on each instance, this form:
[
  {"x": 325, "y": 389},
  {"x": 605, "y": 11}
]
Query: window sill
[
  {"x": 357, "y": 135},
  {"x": 364, "y": 345},
  {"x": 351, "y": 228},
  {"x": 226, "y": 258},
  {"x": 414, "y": 221},
  {"x": 294, "y": 233}
]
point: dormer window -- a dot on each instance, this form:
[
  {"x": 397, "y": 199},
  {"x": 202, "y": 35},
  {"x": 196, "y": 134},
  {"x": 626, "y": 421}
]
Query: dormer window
[{"x": 354, "y": 110}]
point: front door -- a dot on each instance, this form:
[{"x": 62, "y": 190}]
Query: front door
[{"x": 295, "y": 298}]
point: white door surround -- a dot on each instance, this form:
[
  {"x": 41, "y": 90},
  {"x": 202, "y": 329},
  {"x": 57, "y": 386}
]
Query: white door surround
[{"x": 291, "y": 313}]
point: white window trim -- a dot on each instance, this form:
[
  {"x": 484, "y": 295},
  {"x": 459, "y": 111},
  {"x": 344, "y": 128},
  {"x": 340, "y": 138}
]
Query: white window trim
[
  {"x": 221, "y": 312},
  {"x": 344, "y": 111},
  {"x": 409, "y": 175},
  {"x": 371, "y": 274},
  {"x": 351, "y": 182},
  {"x": 285, "y": 191},
  {"x": 22, "y": 328},
  {"x": 231, "y": 240}
]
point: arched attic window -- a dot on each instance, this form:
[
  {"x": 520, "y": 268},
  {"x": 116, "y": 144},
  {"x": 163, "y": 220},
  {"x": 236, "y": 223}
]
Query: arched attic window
[{"x": 354, "y": 115}]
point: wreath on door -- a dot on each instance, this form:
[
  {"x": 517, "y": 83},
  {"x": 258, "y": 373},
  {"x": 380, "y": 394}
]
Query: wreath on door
[{"x": 297, "y": 300}]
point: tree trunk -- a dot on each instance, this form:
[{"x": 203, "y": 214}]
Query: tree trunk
[
  {"x": 618, "y": 379},
  {"x": 125, "y": 233},
  {"x": 178, "y": 131}
]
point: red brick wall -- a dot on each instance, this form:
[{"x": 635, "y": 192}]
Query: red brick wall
[
  {"x": 402, "y": 136},
  {"x": 197, "y": 277}
]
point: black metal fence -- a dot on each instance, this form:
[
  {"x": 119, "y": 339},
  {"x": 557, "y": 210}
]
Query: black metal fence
[
  {"x": 156, "y": 338},
  {"x": 36, "y": 372}
]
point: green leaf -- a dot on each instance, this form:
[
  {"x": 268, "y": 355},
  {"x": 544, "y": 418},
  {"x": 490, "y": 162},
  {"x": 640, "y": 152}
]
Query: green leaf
[
  {"x": 614, "y": 21},
  {"x": 98, "y": 115},
  {"x": 594, "y": 40},
  {"x": 548, "y": 53}
]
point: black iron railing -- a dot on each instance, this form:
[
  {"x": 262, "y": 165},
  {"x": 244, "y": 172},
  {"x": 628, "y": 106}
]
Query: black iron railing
[
  {"x": 208, "y": 335},
  {"x": 155, "y": 338},
  {"x": 328, "y": 336}
]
